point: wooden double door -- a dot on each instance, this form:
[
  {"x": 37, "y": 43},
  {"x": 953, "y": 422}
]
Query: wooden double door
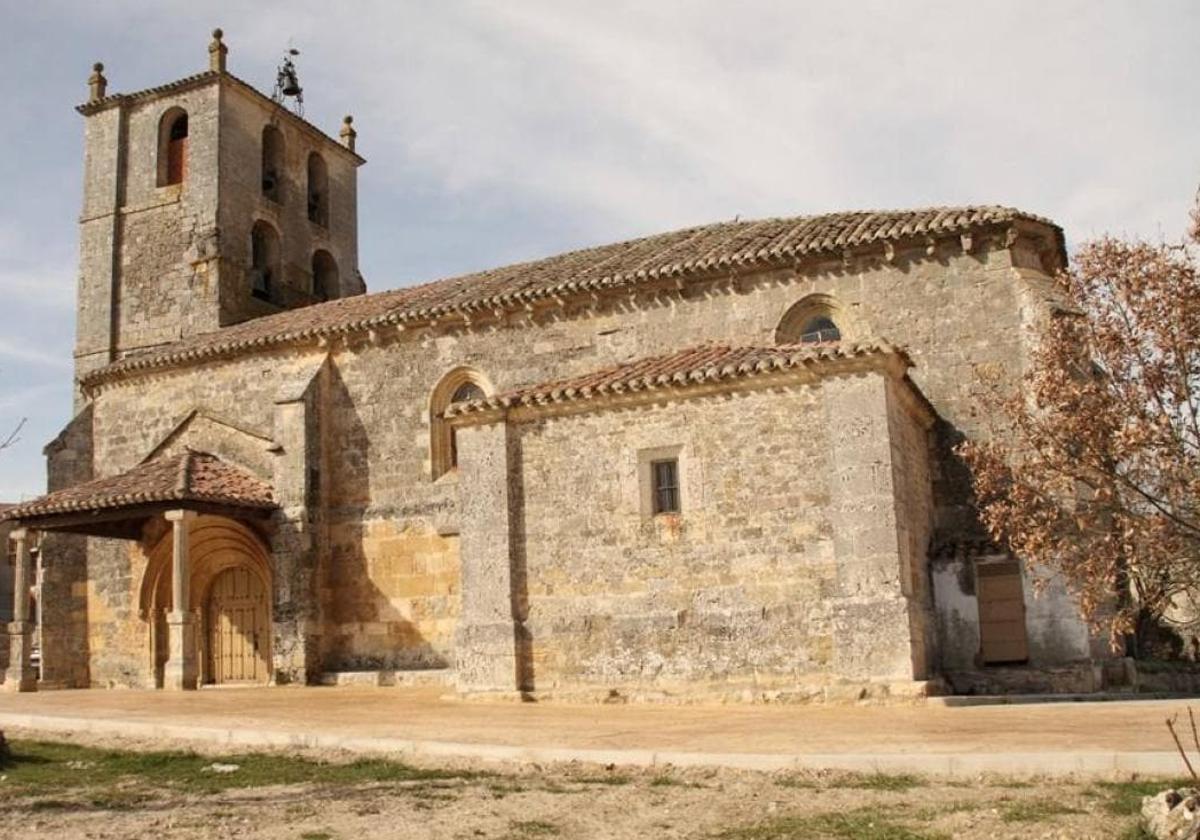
[{"x": 238, "y": 628}]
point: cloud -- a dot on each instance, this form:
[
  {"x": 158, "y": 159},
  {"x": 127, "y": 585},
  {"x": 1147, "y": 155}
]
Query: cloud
[
  {"x": 639, "y": 117},
  {"x": 23, "y": 397},
  {"x": 46, "y": 287},
  {"x": 33, "y": 356}
]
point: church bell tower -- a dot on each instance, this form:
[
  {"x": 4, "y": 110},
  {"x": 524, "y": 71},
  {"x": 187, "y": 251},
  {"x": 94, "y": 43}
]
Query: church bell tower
[{"x": 207, "y": 203}]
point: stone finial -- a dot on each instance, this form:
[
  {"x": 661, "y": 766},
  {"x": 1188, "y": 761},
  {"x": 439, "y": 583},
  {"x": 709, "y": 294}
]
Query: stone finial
[
  {"x": 348, "y": 134},
  {"x": 97, "y": 84},
  {"x": 217, "y": 52}
]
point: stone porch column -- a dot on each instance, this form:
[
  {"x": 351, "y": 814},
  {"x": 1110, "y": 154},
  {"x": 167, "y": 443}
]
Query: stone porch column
[
  {"x": 20, "y": 675},
  {"x": 180, "y": 671}
]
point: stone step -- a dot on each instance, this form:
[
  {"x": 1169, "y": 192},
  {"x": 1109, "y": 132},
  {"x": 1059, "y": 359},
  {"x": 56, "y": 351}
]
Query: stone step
[{"x": 403, "y": 678}]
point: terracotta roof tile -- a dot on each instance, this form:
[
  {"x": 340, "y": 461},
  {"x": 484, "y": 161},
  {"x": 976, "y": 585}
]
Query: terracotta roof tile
[
  {"x": 697, "y": 365},
  {"x": 190, "y": 476},
  {"x": 690, "y": 252}
]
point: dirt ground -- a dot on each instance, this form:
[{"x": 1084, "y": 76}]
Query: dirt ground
[
  {"x": 432, "y": 713},
  {"x": 55, "y": 787}
]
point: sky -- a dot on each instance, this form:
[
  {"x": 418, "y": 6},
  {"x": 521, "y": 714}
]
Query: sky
[{"x": 504, "y": 131}]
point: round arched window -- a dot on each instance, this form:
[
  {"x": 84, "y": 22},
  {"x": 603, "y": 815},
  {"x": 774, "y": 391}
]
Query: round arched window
[
  {"x": 466, "y": 392},
  {"x": 817, "y": 319},
  {"x": 818, "y": 329},
  {"x": 457, "y": 386}
]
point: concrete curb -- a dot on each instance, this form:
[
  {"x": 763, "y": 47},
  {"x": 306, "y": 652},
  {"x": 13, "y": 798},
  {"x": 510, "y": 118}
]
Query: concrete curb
[
  {"x": 1081, "y": 763},
  {"x": 968, "y": 700}
]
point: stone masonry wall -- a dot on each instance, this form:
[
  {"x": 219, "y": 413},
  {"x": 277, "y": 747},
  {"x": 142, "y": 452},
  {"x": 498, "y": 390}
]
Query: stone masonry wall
[
  {"x": 143, "y": 277},
  {"x": 388, "y": 521},
  {"x": 65, "y": 650},
  {"x": 161, "y": 262},
  {"x": 243, "y": 118},
  {"x": 165, "y": 292},
  {"x": 755, "y": 586},
  {"x": 911, "y": 474}
]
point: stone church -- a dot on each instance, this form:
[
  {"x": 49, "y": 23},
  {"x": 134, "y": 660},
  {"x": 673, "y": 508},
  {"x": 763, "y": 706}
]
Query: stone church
[{"x": 714, "y": 463}]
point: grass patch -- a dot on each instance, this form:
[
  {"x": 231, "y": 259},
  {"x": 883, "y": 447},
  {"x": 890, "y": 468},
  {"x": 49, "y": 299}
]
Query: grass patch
[
  {"x": 865, "y": 824},
  {"x": 1034, "y": 810},
  {"x": 858, "y": 781},
  {"x": 119, "y": 800},
  {"x": 671, "y": 781},
  {"x": 43, "y": 766},
  {"x": 1137, "y": 831},
  {"x": 801, "y": 782},
  {"x": 534, "y": 828},
  {"x": 42, "y": 805},
  {"x": 1124, "y": 799},
  {"x": 961, "y": 806},
  {"x": 880, "y": 781},
  {"x": 499, "y": 790},
  {"x": 603, "y": 780}
]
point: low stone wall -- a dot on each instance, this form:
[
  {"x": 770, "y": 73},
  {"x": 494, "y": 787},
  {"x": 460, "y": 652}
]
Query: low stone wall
[{"x": 1151, "y": 677}]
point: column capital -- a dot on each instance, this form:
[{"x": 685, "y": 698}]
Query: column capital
[
  {"x": 179, "y": 515},
  {"x": 19, "y": 534}
]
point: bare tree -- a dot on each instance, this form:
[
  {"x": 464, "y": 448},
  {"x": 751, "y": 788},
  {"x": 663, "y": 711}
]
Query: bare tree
[
  {"x": 1093, "y": 468},
  {"x": 13, "y": 436}
]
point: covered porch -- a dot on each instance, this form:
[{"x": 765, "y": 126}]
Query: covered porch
[{"x": 202, "y": 526}]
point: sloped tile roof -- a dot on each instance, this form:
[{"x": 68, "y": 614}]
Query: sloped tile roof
[
  {"x": 695, "y": 366},
  {"x": 188, "y": 477},
  {"x": 726, "y": 246}
]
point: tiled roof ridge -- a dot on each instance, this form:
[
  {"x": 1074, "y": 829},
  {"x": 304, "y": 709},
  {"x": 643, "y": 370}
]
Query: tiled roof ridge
[
  {"x": 572, "y": 274},
  {"x": 196, "y": 79},
  {"x": 705, "y": 363},
  {"x": 165, "y": 479}
]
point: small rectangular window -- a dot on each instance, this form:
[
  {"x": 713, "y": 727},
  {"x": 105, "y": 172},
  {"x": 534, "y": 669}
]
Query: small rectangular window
[{"x": 665, "y": 477}]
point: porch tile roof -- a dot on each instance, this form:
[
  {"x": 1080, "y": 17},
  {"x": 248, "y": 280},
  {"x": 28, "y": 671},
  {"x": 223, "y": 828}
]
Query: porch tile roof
[
  {"x": 191, "y": 476},
  {"x": 694, "y": 366}
]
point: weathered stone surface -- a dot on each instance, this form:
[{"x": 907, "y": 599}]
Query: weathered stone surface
[
  {"x": 770, "y": 576},
  {"x": 1173, "y": 814}
]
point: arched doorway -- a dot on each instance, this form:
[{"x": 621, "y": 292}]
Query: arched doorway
[
  {"x": 237, "y": 627},
  {"x": 229, "y": 590}
]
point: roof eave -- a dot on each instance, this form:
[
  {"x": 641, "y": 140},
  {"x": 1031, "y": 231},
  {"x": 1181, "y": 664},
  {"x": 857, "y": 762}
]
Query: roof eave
[{"x": 562, "y": 292}]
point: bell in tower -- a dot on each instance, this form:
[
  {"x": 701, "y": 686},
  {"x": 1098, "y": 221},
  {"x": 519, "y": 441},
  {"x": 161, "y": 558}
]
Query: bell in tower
[{"x": 287, "y": 83}]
